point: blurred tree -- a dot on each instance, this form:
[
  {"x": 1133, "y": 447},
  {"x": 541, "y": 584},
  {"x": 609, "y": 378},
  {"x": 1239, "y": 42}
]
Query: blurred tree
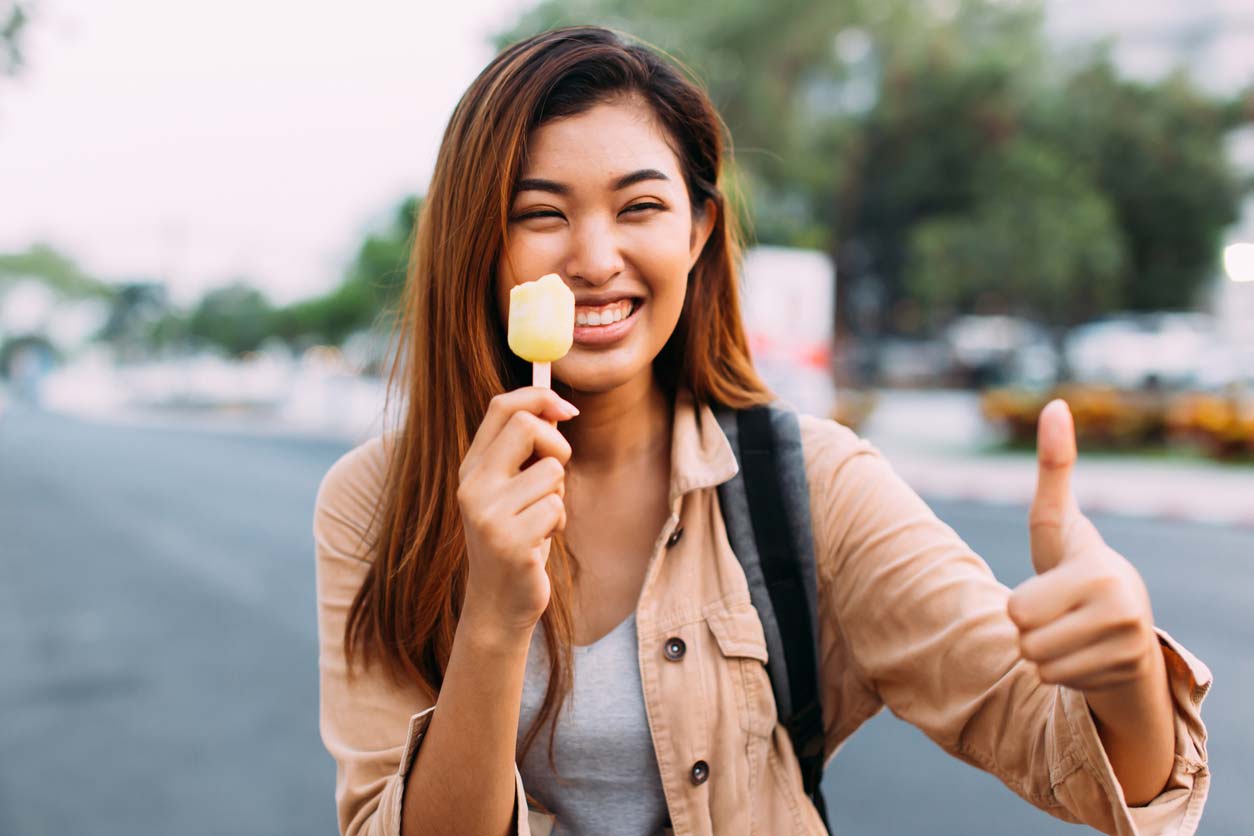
[
  {"x": 370, "y": 288},
  {"x": 1156, "y": 151},
  {"x": 1041, "y": 242},
  {"x": 14, "y": 16},
  {"x": 239, "y": 318},
  {"x": 236, "y": 317},
  {"x": 891, "y": 133},
  {"x": 55, "y": 269},
  {"x": 135, "y": 309}
]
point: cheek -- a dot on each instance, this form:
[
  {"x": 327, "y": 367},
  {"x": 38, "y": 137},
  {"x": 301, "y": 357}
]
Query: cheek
[
  {"x": 664, "y": 259},
  {"x": 519, "y": 262}
]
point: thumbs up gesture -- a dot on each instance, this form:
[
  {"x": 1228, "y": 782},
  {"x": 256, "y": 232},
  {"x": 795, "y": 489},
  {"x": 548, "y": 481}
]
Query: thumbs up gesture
[{"x": 1085, "y": 619}]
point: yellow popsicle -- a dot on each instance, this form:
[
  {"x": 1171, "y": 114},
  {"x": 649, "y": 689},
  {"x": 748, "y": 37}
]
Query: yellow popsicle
[{"x": 541, "y": 319}]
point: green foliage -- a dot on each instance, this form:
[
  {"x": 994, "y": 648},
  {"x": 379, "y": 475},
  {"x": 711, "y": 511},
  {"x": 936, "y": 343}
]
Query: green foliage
[
  {"x": 236, "y": 317},
  {"x": 1156, "y": 153},
  {"x": 1041, "y": 240},
  {"x": 370, "y": 290},
  {"x": 136, "y": 309},
  {"x": 14, "y": 18},
  {"x": 59, "y": 272}
]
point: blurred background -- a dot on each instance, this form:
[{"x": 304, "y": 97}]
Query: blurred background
[{"x": 959, "y": 210}]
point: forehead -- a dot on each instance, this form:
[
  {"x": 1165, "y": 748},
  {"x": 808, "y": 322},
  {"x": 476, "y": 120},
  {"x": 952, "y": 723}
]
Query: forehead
[{"x": 610, "y": 139}]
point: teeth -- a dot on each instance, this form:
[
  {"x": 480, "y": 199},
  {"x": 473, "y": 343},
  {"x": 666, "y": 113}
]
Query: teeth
[{"x": 604, "y": 315}]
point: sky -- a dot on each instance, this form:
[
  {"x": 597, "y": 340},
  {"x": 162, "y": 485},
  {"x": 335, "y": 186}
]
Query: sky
[
  {"x": 204, "y": 142},
  {"x": 208, "y": 141},
  {"x": 1215, "y": 38}
]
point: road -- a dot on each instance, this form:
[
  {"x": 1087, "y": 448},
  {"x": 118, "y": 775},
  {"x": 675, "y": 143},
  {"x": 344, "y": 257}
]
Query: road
[{"x": 157, "y": 635}]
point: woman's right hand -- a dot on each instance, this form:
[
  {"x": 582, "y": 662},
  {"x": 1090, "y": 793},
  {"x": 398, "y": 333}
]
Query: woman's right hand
[{"x": 509, "y": 512}]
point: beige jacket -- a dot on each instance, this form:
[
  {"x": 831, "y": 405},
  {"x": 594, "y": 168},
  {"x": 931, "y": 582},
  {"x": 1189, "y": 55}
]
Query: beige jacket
[{"x": 910, "y": 618}]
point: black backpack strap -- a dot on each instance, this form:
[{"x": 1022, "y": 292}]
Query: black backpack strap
[{"x": 766, "y": 508}]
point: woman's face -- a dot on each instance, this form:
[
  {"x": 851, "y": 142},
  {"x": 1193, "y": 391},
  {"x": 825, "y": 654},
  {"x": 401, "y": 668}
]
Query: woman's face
[{"x": 602, "y": 203}]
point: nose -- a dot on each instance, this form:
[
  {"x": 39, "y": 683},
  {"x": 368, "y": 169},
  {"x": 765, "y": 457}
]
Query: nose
[{"x": 594, "y": 257}]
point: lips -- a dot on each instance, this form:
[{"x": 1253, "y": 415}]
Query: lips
[{"x": 598, "y": 301}]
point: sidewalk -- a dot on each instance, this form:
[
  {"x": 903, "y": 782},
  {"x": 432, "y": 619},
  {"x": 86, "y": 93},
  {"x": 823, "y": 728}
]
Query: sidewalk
[{"x": 937, "y": 442}]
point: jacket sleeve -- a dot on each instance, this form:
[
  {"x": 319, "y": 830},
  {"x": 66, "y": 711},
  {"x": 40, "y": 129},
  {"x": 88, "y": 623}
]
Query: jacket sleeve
[
  {"x": 910, "y": 616},
  {"x": 372, "y": 727}
]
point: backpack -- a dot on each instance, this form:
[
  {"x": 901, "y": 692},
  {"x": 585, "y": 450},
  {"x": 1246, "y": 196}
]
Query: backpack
[{"x": 766, "y": 511}]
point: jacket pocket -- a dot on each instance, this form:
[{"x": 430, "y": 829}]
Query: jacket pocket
[{"x": 742, "y": 644}]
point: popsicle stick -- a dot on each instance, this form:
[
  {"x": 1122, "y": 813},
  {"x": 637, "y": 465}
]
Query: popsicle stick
[{"x": 541, "y": 375}]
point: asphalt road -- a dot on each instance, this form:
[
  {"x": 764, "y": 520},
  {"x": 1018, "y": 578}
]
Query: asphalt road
[{"x": 157, "y": 643}]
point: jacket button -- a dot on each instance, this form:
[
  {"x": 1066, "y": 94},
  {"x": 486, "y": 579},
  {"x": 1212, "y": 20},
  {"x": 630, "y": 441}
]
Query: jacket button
[
  {"x": 675, "y": 649},
  {"x": 700, "y": 772},
  {"x": 674, "y": 538}
]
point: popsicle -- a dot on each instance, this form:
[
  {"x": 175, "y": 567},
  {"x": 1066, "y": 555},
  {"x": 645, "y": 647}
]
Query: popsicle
[{"x": 541, "y": 324}]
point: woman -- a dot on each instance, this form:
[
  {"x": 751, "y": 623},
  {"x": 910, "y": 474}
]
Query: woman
[{"x": 515, "y": 562}]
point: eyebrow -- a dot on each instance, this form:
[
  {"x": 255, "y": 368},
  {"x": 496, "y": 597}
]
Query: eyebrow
[{"x": 538, "y": 184}]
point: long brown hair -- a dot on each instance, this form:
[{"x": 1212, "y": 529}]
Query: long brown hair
[{"x": 451, "y": 356}]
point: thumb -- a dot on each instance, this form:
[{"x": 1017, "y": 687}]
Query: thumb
[{"x": 1053, "y": 504}]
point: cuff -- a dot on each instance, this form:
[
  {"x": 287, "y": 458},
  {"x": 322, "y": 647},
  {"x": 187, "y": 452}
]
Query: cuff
[
  {"x": 417, "y": 731},
  {"x": 1178, "y": 808}
]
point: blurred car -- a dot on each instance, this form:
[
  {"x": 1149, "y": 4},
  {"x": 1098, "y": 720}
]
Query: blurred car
[
  {"x": 912, "y": 363},
  {"x": 1144, "y": 350},
  {"x": 991, "y": 350}
]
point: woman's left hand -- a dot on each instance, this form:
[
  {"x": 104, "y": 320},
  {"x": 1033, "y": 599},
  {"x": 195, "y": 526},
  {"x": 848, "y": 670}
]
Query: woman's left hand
[{"x": 1085, "y": 619}]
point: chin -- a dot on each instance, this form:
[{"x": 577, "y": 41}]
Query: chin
[{"x": 596, "y": 377}]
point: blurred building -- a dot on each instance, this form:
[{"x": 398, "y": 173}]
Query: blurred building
[{"x": 789, "y": 296}]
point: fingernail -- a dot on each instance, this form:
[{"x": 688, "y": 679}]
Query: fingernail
[{"x": 569, "y": 409}]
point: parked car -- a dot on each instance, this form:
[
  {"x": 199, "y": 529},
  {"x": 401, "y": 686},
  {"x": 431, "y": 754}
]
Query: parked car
[
  {"x": 984, "y": 351},
  {"x": 1144, "y": 350}
]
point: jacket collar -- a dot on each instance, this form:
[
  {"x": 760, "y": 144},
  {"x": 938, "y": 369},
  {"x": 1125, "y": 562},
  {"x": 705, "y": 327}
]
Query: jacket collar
[{"x": 701, "y": 455}]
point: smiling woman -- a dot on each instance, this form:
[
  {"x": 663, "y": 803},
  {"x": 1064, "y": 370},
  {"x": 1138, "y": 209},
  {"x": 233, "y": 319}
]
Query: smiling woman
[{"x": 591, "y": 562}]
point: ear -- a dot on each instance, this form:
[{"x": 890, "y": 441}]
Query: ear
[{"x": 702, "y": 226}]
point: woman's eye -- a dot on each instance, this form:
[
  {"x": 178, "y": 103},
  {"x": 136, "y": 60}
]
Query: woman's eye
[
  {"x": 546, "y": 213},
  {"x": 637, "y": 206}
]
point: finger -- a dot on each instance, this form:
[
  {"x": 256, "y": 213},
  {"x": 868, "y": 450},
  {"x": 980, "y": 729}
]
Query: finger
[
  {"x": 523, "y": 437},
  {"x": 1053, "y": 502},
  {"x": 541, "y": 519},
  {"x": 1089, "y": 665},
  {"x": 1104, "y": 679},
  {"x": 544, "y": 403},
  {"x": 544, "y": 477},
  {"x": 1080, "y": 536},
  {"x": 1044, "y": 598},
  {"x": 1069, "y": 633}
]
